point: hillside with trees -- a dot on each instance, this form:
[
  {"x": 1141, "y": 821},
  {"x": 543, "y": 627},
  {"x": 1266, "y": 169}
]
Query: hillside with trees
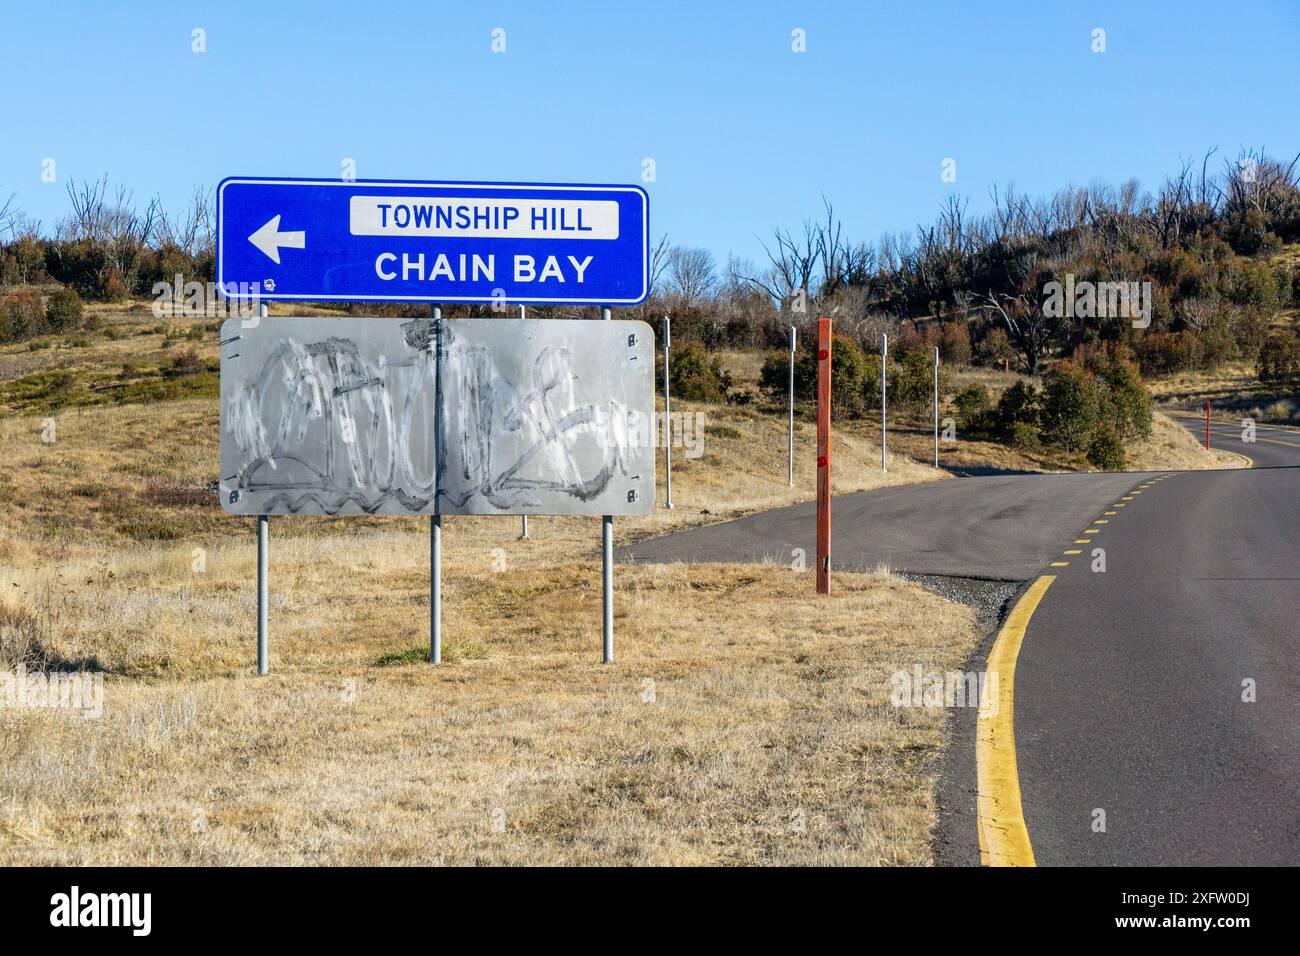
[{"x": 1216, "y": 242}]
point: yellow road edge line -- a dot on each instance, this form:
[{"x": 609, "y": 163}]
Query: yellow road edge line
[
  {"x": 1082, "y": 541},
  {"x": 1092, "y": 531},
  {"x": 1250, "y": 462},
  {"x": 1072, "y": 551},
  {"x": 1110, "y": 512},
  {"x": 1102, "y": 521},
  {"x": 1000, "y": 819},
  {"x": 1060, "y": 564}
]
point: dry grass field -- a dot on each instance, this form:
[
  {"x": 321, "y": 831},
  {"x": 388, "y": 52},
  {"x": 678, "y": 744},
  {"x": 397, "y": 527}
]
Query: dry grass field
[{"x": 744, "y": 721}]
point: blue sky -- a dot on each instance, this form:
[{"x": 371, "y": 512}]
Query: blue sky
[{"x": 745, "y": 133}]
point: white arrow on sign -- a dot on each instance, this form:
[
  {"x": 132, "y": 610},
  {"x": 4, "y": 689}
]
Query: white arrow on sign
[{"x": 270, "y": 239}]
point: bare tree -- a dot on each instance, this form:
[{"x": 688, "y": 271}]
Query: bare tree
[
  {"x": 193, "y": 232},
  {"x": 1197, "y": 313},
  {"x": 692, "y": 274},
  {"x": 833, "y": 251},
  {"x": 1255, "y": 182},
  {"x": 9, "y": 215},
  {"x": 110, "y": 222},
  {"x": 658, "y": 262},
  {"x": 1021, "y": 313},
  {"x": 793, "y": 263}
]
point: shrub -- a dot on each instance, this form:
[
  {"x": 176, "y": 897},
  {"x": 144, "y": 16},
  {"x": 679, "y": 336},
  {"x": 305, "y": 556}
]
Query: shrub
[
  {"x": 1159, "y": 353},
  {"x": 63, "y": 313},
  {"x": 1019, "y": 404},
  {"x": 849, "y": 375},
  {"x": 849, "y": 372},
  {"x": 1105, "y": 449},
  {"x": 972, "y": 400},
  {"x": 1248, "y": 233},
  {"x": 1127, "y": 405},
  {"x": 112, "y": 287},
  {"x": 954, "y": 345},
  {"x": 912, "y": 382},
  {"x": 694, "y": 375},
  {"x": 993, "y": 348},
  {"x": 1024, "y": 437},
  {"x": 871, "y": 382},
  {"x": 184, "y": 363},
  {"x": 1071, "y": 408},
  {"x": 1279, "y": 357},
  {"x": 23, "y": 313},
  {"x": 774, "y": 378}
]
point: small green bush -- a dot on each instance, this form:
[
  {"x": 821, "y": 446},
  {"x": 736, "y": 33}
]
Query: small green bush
[
  {"x": 850, "y": 375},
  {"x": 848, "y": 371},
  {"x": 1127, "y": 404},
  {"x": 994, "y": 348},
  {"x": 64, "y": 313},
  {"x": 1071, "y": 406},
  {"x": 1024, "y": 437},
  {"x": 972, "y": 400},
  {"x": 912, "y": 381},
  {"x": 774, "y": 376},
  {"x": 1019, "y": 404},
  {"x": 1106, "y": 450},
  {"x": 695, "y": 375}
]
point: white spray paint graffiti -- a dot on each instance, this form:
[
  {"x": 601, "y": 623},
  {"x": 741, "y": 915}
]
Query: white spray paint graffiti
[{"x": 344, "y": 423}]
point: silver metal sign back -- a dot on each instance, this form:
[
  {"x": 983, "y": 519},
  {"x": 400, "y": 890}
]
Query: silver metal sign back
[{"x": 338, "y": 415}]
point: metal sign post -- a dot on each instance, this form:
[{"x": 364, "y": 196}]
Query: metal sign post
[
  {"x": 884, "y": 380},
  {"x": 435, "y": 519},
  {"x": 824, "y": 455},
  {"x": 263, "y": 572},
  {"x": 263, "y": 593},
  {"x": 668, "y": 421},
  {"x": 607, "y": 563},
  {"x": 936, "y": 406},
  {"x": 792, "y": 347},
  {"x": 523, "y": 519}
]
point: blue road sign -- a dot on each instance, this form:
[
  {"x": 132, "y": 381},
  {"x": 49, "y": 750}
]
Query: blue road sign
[{"x": 432, "y": 242}]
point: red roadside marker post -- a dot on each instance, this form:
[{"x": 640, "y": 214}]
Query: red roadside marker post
[
  {"x": 1207, "y": 424},
  {"x": 824, "y": 456}
]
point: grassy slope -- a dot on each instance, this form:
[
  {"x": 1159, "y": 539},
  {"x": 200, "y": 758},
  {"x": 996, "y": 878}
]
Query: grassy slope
[{"x": 911, "y": 434}]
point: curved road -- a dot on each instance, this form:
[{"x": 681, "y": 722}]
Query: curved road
[
  {"x": 1132, "y": 686},
  {"x": 1136, "y": 737}
]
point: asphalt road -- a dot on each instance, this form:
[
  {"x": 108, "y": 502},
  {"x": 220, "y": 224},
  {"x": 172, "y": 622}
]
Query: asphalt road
[
  {"x": 1004, "y": 528},
  {"x": 1129, "y": 684}
]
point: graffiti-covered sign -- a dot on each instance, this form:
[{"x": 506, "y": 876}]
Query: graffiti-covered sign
[{"x": 353, "y": 415}]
